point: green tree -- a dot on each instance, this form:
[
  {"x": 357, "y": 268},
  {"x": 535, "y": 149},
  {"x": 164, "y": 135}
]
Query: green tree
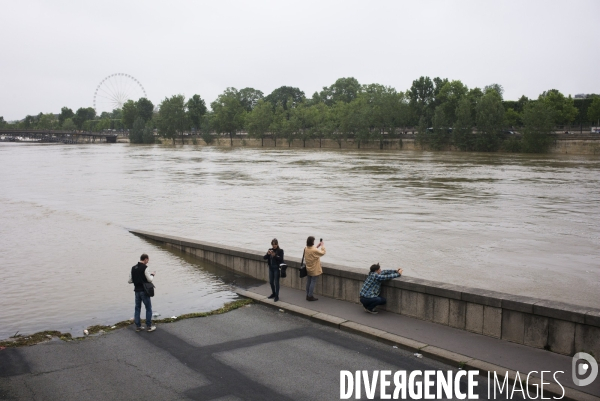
[
  {"x": 490, "y": 119},
  {"x": 65, "y": 113},
  {"x": 228, "y": 113},
  {"x": 282, "y": 94},
  {"x": 538, "y": 122},
  {"x": 513, "y": 118},
  {"x": 494, "y": 87},
  {"x": 301, "y": 122},
  {"x": 259, "y": 120},
  {"x": 343, "y": 90},
  {"x": 336, "y": 115},
  {"x": 196, "y": 109},
  {"x": 474, "y": 97},
  {"x": 136, "y": 134},
  {"x": 353, "y": 120},
  {"x": 3, "y": 123},
  {"x": 82, "y": 115},
  {"x": 421, "y": 99},
  {"x": 249, "y": 98},
  {"x": 593, "y": 111},
  {"x": 173, "y": 119},
  {"x": 279, "y": 123},
  {"x": 28, "y": 122},
  {"x": 321, "y": 121},
  {"x": 148, "y": 134},
  {"x": 448, "y": 98},
  {"x": 69, "y": 125},
  {"x": 129, "y": 114},
  {"x": 206, "y": 127},
  {"x": 144, "y": 109},
  {"x": 463, "y": 126},
  {"x": 422, "y": 135},
  {"x": 388, "y": 109},
  {"x": 104, "y": 123},
  {"x": 440, "y": 136},
  {"x": 564, "y": 112},
  {"x": 117, "y": 114},
  {"x": 48, "y": 121}
]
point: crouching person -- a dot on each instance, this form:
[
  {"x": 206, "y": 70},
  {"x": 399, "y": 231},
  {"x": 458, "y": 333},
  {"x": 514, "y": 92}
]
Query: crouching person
[{"x": 369, "y": 293}]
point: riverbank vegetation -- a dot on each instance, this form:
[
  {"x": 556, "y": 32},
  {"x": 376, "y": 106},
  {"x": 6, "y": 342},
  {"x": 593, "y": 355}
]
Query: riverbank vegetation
[
  {"x": 23, "y": 340},
  {"x": 444, "y": 114}
]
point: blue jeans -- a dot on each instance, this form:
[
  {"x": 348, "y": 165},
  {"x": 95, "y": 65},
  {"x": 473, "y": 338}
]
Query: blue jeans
[
  {"x": 311, "y": 282},
  {"x": 274, "y": 280},
  {"x": 371, "y": 303},
  {"x": 141, "y": 296}
]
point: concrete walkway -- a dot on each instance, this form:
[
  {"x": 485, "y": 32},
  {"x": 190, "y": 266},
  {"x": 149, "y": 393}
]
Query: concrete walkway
[
  {"x": 252, "y": 353},
  {"x": 453, "y": 346}
]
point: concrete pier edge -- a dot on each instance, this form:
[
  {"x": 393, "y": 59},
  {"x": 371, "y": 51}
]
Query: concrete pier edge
[
  {"x": 554, "y": 326},
  {"x": 439, "y": 354}
]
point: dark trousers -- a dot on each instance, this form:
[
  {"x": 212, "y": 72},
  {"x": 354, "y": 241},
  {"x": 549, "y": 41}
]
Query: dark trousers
[
  {"x": 142, "y": 297},
  {"x": 274, "y": 280},
  {"x": 371, "y": 303}
]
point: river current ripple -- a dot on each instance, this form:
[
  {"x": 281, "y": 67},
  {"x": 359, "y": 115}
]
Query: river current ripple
[{"x": 520, "y": 224}]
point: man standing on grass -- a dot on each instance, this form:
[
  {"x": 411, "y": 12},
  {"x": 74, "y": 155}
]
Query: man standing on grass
[
  {"x": 138, "y": 276},
  {"x": 369, "y": 293}
]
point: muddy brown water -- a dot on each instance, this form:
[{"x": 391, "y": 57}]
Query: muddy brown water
[{"x": 521, "y": 224}]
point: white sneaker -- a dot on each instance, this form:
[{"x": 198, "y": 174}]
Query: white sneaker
[{"x": 151, "y": 328}]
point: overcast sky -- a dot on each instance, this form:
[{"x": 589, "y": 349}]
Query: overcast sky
[{"x": 55, "y": 53}]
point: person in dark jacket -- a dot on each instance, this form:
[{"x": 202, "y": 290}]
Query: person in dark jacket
[
  {"x": 274, "y": 258},
  {"x": 138, "y": 276}
]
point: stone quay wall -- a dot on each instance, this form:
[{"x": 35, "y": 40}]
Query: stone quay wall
[
  {"x": 565, "y": 144},
  {"x": 554, "y": 326}
]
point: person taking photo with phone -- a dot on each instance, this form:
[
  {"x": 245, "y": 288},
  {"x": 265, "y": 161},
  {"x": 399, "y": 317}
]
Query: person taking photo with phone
[
  {"x": 312, "y": 256},
  {"x": 274, "y": 258}
]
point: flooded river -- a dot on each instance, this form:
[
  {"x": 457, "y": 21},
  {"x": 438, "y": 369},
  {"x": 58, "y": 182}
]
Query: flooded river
[{"x": 520, "y": 224}]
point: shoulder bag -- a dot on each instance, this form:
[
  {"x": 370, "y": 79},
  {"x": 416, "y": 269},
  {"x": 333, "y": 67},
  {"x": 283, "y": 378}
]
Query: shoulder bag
[
  {"x": 149, "y": 289},
  {"x": 303, "y": 272}
]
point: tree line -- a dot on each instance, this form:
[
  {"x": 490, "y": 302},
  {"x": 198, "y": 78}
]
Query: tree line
[{"x": 446, "y": 113}]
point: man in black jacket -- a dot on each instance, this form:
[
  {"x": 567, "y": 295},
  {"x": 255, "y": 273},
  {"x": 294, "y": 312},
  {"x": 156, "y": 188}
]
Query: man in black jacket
[
  {"x": 274, "y": 258},
  {"x": 138, "y": 276}
]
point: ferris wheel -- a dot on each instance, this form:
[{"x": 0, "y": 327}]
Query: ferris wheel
[{"x": 116, "y": 89}]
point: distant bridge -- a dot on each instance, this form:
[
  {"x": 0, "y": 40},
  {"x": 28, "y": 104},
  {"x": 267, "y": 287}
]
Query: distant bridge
[{"x": 48, "y": 136}]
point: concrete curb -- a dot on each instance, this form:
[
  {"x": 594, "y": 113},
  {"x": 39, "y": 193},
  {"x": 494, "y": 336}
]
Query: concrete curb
[{"x": 439, "y": 354}]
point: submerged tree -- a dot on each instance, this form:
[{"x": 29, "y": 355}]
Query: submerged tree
[
  {"x": 462, "y": 134},
  {"x": 490, "y": 119},
  {"x": 538, "y": 120}
]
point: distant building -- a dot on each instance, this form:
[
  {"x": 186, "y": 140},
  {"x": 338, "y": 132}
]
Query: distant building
[{"x": 580, "y": 96}]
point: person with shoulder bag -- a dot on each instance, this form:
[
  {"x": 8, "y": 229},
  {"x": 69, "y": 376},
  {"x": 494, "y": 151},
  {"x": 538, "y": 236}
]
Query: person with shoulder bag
[
  {"x": 312, "y": 255},
  {"x": 142, "y": 279},
  {"x": 274, "y": 258}
]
